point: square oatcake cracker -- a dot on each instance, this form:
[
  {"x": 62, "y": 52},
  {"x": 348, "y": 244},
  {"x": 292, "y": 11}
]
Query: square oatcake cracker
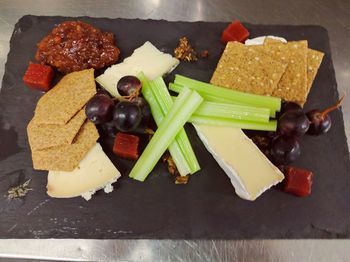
[
  {"x": 247, "y": 69},
  {"x": 64, "y": 100},
  {"x": 293, "y": 85},
  {"x": 43, "y": 136},
  {"x": 67, "y": 157}
]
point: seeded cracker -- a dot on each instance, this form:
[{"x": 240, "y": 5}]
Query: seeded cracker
[
  {"x": 63, "y": 101},
  {"x": 67, "y": 157},
  {"x": 314, "y": 60},
  {"x": 43, "y": 136},
  {"x": 293, "y": 84},
  {"x": 247, "y": 69}
]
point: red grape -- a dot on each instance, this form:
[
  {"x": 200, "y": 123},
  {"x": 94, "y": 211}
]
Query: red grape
[
  {"x": 320, "y": 121},
  {"x": 127, "y": 116},
  {"x": 284, "y": 150},
  {"x": 128, "y": 86},
  {"x": 293, "y": 123},
  {"x": 99, "y": 109}
]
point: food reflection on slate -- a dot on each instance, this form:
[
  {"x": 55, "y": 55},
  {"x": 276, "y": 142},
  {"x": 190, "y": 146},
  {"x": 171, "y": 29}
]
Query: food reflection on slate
[{"x": 259, "y": 84}]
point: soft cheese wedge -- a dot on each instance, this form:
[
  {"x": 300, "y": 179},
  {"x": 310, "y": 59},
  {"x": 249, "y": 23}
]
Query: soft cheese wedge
[
  {"x": 147, "y": 59},
  {"x": 94, "y": 172},
  {"x": 251, "y": 173}
]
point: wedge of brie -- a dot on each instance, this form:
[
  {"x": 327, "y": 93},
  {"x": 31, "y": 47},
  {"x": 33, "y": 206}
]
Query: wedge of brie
[
  {"x": 147, "y": 59},
  {"x": 94, "y": 172},
  {"x": 250, "y": 172}
]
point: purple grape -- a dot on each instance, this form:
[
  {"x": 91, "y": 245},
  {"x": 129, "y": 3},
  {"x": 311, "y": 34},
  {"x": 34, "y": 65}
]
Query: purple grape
[
  {"x": 290, "y": 106},
  {"x": 320, "y": 121},
  {"x": 127, "y": 116},
  {"x": 293, "y": 124},
  {"x": 99, "y": 109},
  {"x": 128, "y": 85},
  {"x": 145, "y": 108},
  {"x": 284, "y": 150}
]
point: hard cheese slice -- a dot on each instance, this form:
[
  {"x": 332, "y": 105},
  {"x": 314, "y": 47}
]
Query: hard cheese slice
[
  {"x": 251, "y": 173},
  {"x": 147, "y": 59},
  {"x": 94, "y": 172}
]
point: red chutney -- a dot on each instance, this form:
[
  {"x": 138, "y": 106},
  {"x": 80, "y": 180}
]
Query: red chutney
[
  {"x": 38, "y": 77},
  {"x": 75, "y": 45}
]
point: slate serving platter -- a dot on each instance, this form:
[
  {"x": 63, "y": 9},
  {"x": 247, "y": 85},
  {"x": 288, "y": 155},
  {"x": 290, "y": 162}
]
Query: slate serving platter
[{"x": 206, "y": 208}]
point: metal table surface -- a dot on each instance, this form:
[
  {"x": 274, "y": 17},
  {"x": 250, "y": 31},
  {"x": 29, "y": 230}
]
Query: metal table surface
[{"x": 332, "y": 14}]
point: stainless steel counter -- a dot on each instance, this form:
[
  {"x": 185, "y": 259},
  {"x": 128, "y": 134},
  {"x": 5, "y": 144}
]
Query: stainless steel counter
[{"x": 332, "y": 14}]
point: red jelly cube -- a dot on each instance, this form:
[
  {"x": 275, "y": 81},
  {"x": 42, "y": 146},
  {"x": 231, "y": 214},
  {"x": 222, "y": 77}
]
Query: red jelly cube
[
  {"x": 235, "y": 32},
  {"x": 126, "y": 146},
  {"x": 38, "y": 77},
  {"x": 298, "y": 181}
]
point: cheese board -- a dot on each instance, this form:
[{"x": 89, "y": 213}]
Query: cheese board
[{"x": 207, "y": 206}]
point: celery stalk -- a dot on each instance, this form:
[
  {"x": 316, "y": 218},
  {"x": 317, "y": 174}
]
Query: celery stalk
[
  {"x": 158, "y": 115},
  {"x": 269, "y": 126},
  {"x": 272, "y": 103},
  {"x": 185, "y": 104},
  {"x": 232, "y": 111},
  {"x": 165, "y": 101},
  {"x": 211, "y": 98}
]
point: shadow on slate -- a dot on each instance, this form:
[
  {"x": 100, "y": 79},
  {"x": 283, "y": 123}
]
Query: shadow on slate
[{"x": 206, "y": 208}]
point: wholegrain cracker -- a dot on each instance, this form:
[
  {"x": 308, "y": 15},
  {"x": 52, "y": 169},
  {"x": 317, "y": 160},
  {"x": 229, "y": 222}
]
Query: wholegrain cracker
[
  {"x": 293, "y": 84},
  {"x": 314, "y": 60},
  {"x": 43, "y": 136},
  {"x": 247, "y": 69},
  {"x": 67, "y": 157},
  {"x": 69, "y": 96}
]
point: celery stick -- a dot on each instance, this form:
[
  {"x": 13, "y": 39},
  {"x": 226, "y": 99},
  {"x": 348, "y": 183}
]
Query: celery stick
[
  {"x": 211, "y": 98},
  {"x": 174, "y": 148},
  {"x": 182, "y": 109},
  {"x": 165, "y": 101},
  {"x": 232, "y": 111},
  {"x": 272, "y": 103},
  {"x": 269, "y": 126}
]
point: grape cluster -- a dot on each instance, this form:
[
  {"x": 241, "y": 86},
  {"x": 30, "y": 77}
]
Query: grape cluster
[
  {"x": 293, "y": 123},
  {"x": 283, "y": 147},
  {"x": 125, "y": 114}
]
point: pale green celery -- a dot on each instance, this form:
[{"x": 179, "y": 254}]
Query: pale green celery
[
  {"x": 161, "y": 93},
  {"x": 272, "y": 103},
  {"x": 185, "y": 104},
  {"x": 211, "y": 98},
  {"x": 269, "y": 126},
  {"x": 158, "y": 115},
  {"x": 231, "y": 111}
]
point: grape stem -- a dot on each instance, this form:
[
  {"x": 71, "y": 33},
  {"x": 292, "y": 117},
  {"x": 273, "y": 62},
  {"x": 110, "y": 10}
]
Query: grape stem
[
  {"x": 136, "y": 93},
  {"x": 330, "y": 109}
]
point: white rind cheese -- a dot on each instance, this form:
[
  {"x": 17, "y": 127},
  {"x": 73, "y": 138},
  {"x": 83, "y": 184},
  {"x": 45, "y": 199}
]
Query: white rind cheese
[
  {"x": 147, "y": 59},
  {"x": 94, "y": 172},
  {"x": 260, "y": 40},
  {"x": 250, "y": 172}
]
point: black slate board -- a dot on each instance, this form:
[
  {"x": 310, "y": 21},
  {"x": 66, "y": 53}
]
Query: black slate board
[{"x": 206, "y": 208}]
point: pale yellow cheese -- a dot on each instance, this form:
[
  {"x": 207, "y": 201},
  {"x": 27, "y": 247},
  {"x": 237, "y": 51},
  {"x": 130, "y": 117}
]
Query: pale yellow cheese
[
  {"x": 94, "y": 172},
  {"x": 147, "y": 59},
  {"x": 251, "y": 173}
]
